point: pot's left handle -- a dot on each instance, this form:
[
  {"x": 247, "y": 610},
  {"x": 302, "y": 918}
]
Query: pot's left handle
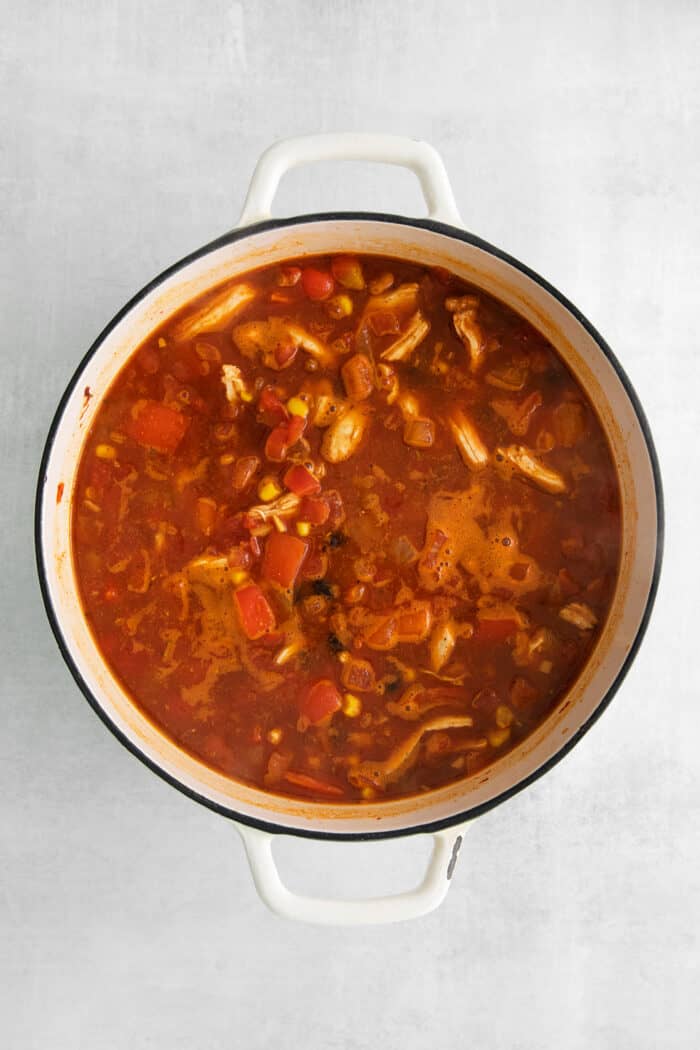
[
  {"x": 419, "y": 157},
  {"x": 336, "y": 912}
]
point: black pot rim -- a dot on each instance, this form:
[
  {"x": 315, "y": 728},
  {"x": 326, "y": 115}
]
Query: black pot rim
[{"x": 454, "y": 233}]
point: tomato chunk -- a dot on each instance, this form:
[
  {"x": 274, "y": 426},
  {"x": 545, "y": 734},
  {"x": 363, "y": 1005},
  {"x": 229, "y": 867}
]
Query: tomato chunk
[
  {"x": 157, "y": 426},
  {"x": 301, "y": 481},
  {"x": 495, "y": 630},
  {"x": 282, "y": 558},
  {"x": 281, "y": 439},
  {"x": 315, "y": 511},
  {"x": 271, "y": 408},
  {"x": 317, "y": 284},
  {"x": 320, "y": 701},
  {"x": 255, "y": 614}
]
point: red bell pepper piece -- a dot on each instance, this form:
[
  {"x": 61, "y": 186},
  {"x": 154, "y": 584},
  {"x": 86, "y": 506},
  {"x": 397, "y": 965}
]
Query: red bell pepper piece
[
  {"x": 255, "y": 614},
  {"x": 282, "y": 558},
  {"x": 320, "y": 701},
  {"x": 281, "y": 439},
  {"x": 157, "y": 426},
  {"x": 301, "y": 481},
  {"x": 322, "y": 787}
]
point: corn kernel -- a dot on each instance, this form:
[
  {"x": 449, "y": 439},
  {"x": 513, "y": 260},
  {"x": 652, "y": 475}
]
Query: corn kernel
[
  {"x": 339, "y": 306},
  {"x": 504, "y": 716},
  {"x": 246, "y": 396},
  {"x": 498, "y": 737},
  {"x": 274, "y": 736},
  {"x": 226, "y": 459},
  {"x": 239, "y": 576},
  {"x": 546, "y": 666},
  {"x": 268, "y": 489},
  {"x": 297, "y": 407},
  {"x": 162, "y": 342},
  {"x": 303, "y": 528},
  {"x": 106, "y": 452},
  {"x": 352, "y": 705},
  {"x": 368, "y": 793}
]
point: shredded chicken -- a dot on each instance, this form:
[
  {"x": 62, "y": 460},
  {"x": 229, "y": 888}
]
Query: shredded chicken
[
  {"x": 416, "y": 701},
  {"x": 343, "y": 438},
  {"x": 381, "y": 774},
  {"x": 463, "y": 310},
  {"x": 414, "y": 334},
  {"x": 276, "y": 341},
  {"x": 234, "y": 384},
  {"x": 580, "y": 615},
  {"x": 526, "y": 463},
  {"x": 471, "y": 448},
  {"x": 442, "y": 644},
  {"x": 282, "y": 507},
  {"x": 217, "y": 313}
]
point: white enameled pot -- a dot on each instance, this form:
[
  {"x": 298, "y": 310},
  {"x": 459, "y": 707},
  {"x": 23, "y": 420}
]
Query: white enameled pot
[{"x": 438, "y": 240}]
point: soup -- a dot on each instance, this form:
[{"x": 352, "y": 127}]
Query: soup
[{"x": 346, "y": 528}]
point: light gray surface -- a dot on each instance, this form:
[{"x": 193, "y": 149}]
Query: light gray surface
[{"x": 570, "y": 131}]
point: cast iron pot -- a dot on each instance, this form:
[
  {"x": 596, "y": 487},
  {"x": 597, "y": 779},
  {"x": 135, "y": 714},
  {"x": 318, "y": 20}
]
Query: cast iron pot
[{"x": 438, "y": 240}]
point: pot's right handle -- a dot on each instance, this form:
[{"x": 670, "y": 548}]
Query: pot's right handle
[
  {"x": 420, "y": 158},
  {"x": 371, "y": 911}
]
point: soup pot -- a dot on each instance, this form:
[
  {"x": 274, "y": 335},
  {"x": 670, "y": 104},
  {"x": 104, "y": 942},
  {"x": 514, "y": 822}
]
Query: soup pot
[{"x": 438, "y": 240}]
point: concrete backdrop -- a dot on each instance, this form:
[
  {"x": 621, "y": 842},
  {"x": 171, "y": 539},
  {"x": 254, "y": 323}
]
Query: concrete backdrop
[{"x": 129, "y": 132}]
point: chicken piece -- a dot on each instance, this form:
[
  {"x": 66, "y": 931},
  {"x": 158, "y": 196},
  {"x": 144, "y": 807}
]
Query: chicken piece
[
  {"x": 235, "y": 385},
  {"x": 414, "y": 334},
  {"x": 401, "y": 300},
  {"x": 511, "y": 377},
  {"x": 344, "y": 436},
  {"x": 471, "y": 448},
  {"x": 276, "y": 342},
  {"x": 580, "y": 615},
  {"x": 442, "y": 644},
  {"x": 380, "y": 774},
  {"x": 463, "y": 310},
  {"x": 416, "y": 701},
  {"x": 525, "y": 462},
  {"x": 216, "y": 313},
  {"x": 284, "y": 507}
]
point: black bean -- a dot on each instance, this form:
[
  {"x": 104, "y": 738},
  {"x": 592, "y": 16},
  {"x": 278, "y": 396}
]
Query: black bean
[
  {"x": 322, "y": 587},
  {"x": 335, "y": 645}
]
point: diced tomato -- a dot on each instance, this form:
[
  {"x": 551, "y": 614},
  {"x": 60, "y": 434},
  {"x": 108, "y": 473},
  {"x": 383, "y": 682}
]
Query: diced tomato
[
  {"x": 322, "y": 787},
  {"x": 320, "y": 701},
  {"x": 495, "y": 630},
  {"x": 282, "y": 558},
  {"x": 156, "y": 426},
  {"x": 271, "y": 408},
  {"x": 314, "y": 510},
  {"x": 318, "y": 284},
  {"x": 301, "y": 481},
  {"x": 255, "y": 614},
  {"x": 281, "y": 439}
]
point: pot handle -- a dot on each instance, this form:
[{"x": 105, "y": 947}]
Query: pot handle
[
  {"x": 371, "y": 911},
  {"x": 420, "y": 158}
]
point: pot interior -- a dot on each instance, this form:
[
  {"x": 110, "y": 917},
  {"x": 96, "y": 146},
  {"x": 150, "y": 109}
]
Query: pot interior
[{"x": 477, "y": 263}]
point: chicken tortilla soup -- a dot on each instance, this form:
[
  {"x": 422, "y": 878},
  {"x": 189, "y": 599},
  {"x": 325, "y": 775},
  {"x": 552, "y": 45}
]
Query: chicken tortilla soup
[{"x": 346, "y": 528}]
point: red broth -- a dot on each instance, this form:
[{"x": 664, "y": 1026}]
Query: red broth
[{"x": 346, "y": 528}]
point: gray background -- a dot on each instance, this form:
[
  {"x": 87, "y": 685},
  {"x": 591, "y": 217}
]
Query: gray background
[{"x": 129, "y": 132}]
